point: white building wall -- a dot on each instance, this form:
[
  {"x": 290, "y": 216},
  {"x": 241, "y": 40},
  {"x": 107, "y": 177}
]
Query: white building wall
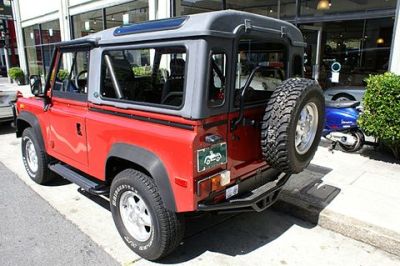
[{"x": 30, "y": 9}]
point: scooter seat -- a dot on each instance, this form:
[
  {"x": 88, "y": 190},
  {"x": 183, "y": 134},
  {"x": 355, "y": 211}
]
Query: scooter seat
[{"x": 342, "y": 104}]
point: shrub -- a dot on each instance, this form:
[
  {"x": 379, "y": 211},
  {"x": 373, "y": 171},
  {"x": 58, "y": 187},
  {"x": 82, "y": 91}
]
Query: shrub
[
  {"x": 16, "y": 74},
  {"x": 381, "y": 116},
  {"x": 63, "y": 74}
]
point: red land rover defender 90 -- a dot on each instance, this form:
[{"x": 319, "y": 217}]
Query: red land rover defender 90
[{"x": 191, "y": 114}]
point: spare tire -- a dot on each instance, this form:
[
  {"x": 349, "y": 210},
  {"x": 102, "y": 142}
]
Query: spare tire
[{"x": 292, "y": 125}]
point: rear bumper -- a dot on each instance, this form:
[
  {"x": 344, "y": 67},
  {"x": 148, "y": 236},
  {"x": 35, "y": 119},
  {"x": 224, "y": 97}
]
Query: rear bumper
[{"x": 253, "y": 199}]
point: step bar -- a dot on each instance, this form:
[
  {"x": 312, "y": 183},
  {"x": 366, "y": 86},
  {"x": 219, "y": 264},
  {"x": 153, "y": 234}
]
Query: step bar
[{"x": 84, "y": 182}]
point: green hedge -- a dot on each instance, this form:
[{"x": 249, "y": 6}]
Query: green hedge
[{"x": 381, "y": 116}]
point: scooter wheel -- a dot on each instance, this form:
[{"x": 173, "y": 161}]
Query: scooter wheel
[{"x": 357, "y": 146}]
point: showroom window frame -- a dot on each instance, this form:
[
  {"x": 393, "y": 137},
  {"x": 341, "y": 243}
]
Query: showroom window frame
[
  {"x": 40, "y": 45},
  {"x": 103, "y": 15}
]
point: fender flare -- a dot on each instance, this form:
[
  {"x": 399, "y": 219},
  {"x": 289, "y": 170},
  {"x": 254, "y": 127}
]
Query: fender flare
[
  {"x": 33, "y": 121},
  {"x": 151, "y": 163}
]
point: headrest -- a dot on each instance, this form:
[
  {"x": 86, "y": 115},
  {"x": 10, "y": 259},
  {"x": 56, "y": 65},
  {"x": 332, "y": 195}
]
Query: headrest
[{"x": 177, "y": 67}]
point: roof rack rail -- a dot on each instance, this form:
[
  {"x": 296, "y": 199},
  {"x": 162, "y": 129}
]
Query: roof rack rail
[
  {"x": 152, "y": 25},
  {"x": 79, "y": 42}
]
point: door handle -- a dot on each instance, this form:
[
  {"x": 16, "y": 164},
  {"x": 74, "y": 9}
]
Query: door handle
[{"x": 79, "y": 129}]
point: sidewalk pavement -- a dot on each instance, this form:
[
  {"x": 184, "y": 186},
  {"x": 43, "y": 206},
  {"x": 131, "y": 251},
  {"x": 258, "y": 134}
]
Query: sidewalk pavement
[{"x": 356, "y": 195}]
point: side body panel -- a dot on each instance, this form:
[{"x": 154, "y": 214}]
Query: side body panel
[{"x": 173, "y": 145}]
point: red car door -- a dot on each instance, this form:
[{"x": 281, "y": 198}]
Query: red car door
[{"x": 68, "y": 109}]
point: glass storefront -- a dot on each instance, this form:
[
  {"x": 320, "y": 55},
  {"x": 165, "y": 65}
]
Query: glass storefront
[
  {"x": 87, "y": 23},
  {"x": 38, "y": 46},
  {"x": 131, "y": 12},
  {"x": 330, "y": 7},
  {"x": 355, "y": 34},
  {"x": 272, "y": 8},
  {"x": 97, "y": 20},
  {"x": 188, "y": 7},
  {"x": 361, "y": 47},
  {"x": 40, "y": 37}
]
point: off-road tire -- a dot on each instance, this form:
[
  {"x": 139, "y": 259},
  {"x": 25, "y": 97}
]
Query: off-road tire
[
  {"x": 168, "y": 226},
  {"x": 280, "y": 120},
  {"x": 43, "y": 174}
]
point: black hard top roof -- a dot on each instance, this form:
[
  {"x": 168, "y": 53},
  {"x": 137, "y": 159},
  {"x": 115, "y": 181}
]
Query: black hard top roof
[{"x": 226, "y": 23}]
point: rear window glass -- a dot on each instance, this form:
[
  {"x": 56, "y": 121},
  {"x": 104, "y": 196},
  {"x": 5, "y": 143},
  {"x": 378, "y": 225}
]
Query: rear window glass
[
  {"x": 216, "y": 86},
  {"x": 271, "y": 60},
  {"x": 149, "y": 75}
]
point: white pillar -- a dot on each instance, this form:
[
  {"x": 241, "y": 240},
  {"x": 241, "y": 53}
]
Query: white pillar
[
  {"x": 65, "y": 30},
  {"x": 394, "y": 63},
  {"x": 65, "y": 26},
  {"x": 159, "y": 9},
  {"x": 18, "y": 33}
]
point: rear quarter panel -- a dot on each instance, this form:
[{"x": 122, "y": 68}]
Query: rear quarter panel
[
  {"x": 172, "y": 145},
  {"x": 34, "y": 105}
]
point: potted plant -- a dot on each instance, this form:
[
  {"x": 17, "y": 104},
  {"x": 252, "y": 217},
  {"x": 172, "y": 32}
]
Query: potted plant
[
  {"x": 17, "y": 74},
  {"x": 63, "y": 74}
]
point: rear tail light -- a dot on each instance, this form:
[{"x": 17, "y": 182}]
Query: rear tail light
[
  {"x": 19, "y": 94},
  {"x": 213, "y": 183}
]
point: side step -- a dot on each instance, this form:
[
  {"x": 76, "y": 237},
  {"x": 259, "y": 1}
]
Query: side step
[{"x": 82, "y": 181}]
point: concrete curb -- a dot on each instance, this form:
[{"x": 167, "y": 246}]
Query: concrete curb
[{"x": 376, "y": 236}]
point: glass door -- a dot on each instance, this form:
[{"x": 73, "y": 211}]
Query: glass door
[{"x": 312, "y": 53}]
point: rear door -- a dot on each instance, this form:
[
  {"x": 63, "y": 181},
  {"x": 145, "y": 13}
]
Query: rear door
[
  {"x": 69, "y": 106},
  {"x": 244, "y": 149}
]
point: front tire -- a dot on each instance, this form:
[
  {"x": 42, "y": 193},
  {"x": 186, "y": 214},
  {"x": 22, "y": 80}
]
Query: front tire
[
  {"x": 35, "y": 158},
  {"x": 143, "y": 222}
]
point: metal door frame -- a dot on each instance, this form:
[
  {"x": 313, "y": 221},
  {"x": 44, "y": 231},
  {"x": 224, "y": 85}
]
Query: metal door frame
[{"x": 318, "y": 29}]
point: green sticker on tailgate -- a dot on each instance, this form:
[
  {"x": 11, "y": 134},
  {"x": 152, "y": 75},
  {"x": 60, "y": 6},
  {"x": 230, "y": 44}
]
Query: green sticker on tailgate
[{"x": 211, "y": 156}]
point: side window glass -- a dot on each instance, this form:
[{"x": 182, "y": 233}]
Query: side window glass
[
  {"x": 155, "y": 76},
  {"x": 216, "y": 87},
  {"x": 271, "y": 60},
  {"x": 72, "y": 74}
]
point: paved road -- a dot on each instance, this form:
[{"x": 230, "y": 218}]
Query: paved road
[{"x": 33, "y": 233}]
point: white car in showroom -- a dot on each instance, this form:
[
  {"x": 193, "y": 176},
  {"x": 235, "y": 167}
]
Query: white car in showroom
[
  {"x": 345, "y": 93},
  {"x": 7, "y": 98}
]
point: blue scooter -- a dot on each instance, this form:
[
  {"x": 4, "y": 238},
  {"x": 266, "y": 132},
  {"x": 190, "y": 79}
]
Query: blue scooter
[{"x": 341, "y": 125}]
